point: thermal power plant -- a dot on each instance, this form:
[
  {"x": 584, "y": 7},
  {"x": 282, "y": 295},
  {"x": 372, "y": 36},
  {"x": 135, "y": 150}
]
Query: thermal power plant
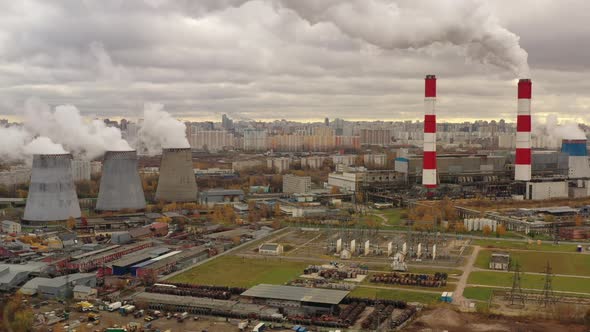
[
  {"x": 429, "y": 177},
  {"x": 577, "y": 152},
  {"x": 522, "y": 169},
  {"x": 52, "y": 194},
  {"x": 177, "y": 178},
  {"x": 120, "y": 185}
]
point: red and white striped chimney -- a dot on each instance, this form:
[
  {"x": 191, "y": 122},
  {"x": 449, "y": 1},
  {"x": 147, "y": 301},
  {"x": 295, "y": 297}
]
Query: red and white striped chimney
[
  {"x": 522, "y": 170},
  {"x": 429, "y": 159}
]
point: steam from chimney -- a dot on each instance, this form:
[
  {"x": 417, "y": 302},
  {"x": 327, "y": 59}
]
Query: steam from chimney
[
  {"x": 65, "y": 125},
  {"x": 159, "y": 130},
  {"x": 554, "y": 131},
  {"x": 402, "y": 24},
  {"x": 18, "y": 144}
]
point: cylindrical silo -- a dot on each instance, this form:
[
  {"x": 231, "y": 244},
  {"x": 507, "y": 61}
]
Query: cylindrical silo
[
  {"x": 52, "y": 194},
  {"x": 120, "y": 185},
  {"x": 177, "y": 178}
]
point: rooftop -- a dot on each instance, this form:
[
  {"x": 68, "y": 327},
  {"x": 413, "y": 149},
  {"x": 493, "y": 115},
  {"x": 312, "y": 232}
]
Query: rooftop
[{"x": 301, "y": 294}]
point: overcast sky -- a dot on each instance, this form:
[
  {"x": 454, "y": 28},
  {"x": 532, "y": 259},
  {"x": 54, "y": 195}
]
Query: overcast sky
[{"x": 261, "y": 60}]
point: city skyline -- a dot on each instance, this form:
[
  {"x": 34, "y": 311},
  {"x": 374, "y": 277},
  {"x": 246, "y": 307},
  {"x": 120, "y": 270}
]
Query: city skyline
[{"x": 257, "y": 61}]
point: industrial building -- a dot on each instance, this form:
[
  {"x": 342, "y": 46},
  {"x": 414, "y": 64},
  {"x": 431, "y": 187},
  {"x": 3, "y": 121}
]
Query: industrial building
[
  {"x": 98, "y": 258},
  {"x": 455, "y": 168},
  {"x": 177, "y": 178},
  {"x": 296, "y": 184},
  {"x": 52, "y": 194},
  {"x": 120, "y": 185},
  {"x": 123, "y": 265},
  {"x": 14, "y": 275},
  {"x": 10, "y": 227},
  {"x": 173, "y": 261},
  {"x": 500, "y": 261},
  {"x": 59, "y": 287},
  {"x": 296, "y": 300},
  {"x": 211, "y": 197},
  {"x": 272, "y": 249}
]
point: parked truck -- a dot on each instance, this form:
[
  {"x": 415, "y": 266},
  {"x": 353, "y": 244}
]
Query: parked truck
[
  {"x": 182, "y": 317},
  {"x": 114, "y": 306}
]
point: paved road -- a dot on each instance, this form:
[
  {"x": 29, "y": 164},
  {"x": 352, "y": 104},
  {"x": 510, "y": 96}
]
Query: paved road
[{"x": 458, "y": 298}]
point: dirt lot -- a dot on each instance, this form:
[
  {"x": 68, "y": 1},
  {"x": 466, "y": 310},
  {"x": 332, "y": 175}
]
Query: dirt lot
[
  {"x": 111, "y": 319},
  {"x": 441, "y": 319}
]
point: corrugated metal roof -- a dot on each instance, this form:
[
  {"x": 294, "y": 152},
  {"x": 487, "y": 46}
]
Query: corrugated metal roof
[{"x": 301, "y": 294}]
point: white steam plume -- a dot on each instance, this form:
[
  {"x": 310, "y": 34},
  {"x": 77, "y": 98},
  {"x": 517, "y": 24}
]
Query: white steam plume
[
  {"x": 65, "y": 125},
  {"x": 19, "y": 145},
  {"x": 553, "y": 131},
  {"x": 160, "y": 130},
  {"x": 401, "y": 24}
]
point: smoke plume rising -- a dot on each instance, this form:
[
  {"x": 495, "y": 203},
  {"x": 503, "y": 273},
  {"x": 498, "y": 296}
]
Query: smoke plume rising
[
  {"x": 401, "y": 24},
  {"x": 160, "y": 130},
  {"x": 65, "y": 125},
  {"x": 553, "y": 131},
  {"x": 19, "y": 145}
]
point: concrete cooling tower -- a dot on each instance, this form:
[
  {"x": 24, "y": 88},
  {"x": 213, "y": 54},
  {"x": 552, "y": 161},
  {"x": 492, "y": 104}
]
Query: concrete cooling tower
[
  {"x": 120, "y": 185},
  {"x": 177, "y": 178},
  {"x": 52, "y": 194}
]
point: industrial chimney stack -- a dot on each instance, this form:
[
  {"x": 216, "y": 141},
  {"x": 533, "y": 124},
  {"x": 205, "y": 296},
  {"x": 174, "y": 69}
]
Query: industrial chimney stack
[
  {"x": 177, "y": 178},
  {"x": 52, "y": 193},
  {"x": 522, "y": 170},
  {"x": 120, "y": 185},
  {"x": 429, "y": 177}
]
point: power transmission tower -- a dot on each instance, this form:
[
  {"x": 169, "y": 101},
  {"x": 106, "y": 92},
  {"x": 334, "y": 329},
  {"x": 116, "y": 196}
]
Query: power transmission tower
[
  {"x": 555, "y": 233},
  {"x": 516, "y": 296},
  {"x": 548, "y": 297}
]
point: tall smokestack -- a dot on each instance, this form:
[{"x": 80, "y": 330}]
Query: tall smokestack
[
  {"x": 522, "y": 170},
  {"x": 177, "y": 178},
  {"x": 120, "y": 185},
  {"x": 429, "y": 159},
  {"x": 52, "y": 194}
]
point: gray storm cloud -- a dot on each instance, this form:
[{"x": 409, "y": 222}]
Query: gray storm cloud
[{"x": 403, "y": 24}]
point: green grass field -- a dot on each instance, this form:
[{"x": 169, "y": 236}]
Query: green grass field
[
  {"x": 531, "y": 281},
  {"x": 242, "y": 272},
  {"x": 530, "y": 261},
  {"x": 525, "y": 245},
  {"x": 394, "y": 294},
  {"x": 478, "y": 293}
]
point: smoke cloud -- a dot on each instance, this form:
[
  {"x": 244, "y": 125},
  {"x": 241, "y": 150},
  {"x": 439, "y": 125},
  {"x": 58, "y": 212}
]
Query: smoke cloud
[
  {"x": 19, "y": 145},
  {"x": 401, "y": 24},
  {"x": 65, "y": 125},
  {"x": 553, "y": 131},
  {"x": 160, "y": 130}
]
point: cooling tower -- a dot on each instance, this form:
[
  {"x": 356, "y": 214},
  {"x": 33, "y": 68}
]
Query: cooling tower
[
  {"x": 522, "y": 169},
  {"x": 177, "y": 178},
  {"x": 120, "y": 185},
  {"x": 52, "y": 194},
  {"x": 429, "y": 160}
]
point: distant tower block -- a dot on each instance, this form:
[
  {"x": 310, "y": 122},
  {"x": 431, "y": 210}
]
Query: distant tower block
[
  {"x": 419, "y": 252},
  {"x": 522, "y": 161},
  {"x": 389, "y": 248},
  {"x": 367, "y": 248},
  {"x": 405, "y": 248},
  {"x": 338, "y": 246},
  {"x": 177, "y": 178},
  {"x": 52, "y": 194},
  {"x": 434, "y": 252},
  {"x": 120, "y": 185},
  {"x": 353, "y": 247}
]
